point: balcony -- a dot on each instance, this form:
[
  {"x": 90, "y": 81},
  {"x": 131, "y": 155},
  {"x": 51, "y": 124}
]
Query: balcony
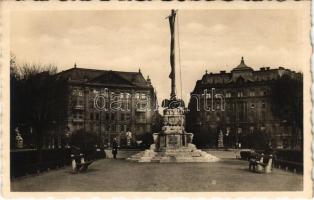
[
  {"x": 141, "y": 121},
  {"x": 78, "y": 107},
  {"x": 78, "y": 120},
  {"x": 141, "y": 110}
]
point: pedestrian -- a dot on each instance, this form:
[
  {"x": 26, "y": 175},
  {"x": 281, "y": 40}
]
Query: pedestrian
[{"x": 114, "y": 148}]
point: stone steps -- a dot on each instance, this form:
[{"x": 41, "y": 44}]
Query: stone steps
[{"x": 173, "y": 156}]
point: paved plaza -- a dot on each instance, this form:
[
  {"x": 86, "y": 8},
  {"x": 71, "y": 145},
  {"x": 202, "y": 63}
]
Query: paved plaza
[{"x": 229, "y": 174}]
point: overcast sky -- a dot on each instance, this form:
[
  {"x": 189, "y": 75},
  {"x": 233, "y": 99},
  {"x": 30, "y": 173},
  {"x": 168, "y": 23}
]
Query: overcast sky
[{"x": 128, "y": 40}]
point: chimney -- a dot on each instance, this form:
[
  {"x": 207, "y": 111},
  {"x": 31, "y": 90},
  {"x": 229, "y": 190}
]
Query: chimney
[{"x": 148, "y": 80}]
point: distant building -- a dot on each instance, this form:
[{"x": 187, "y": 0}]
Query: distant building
[
  {"x": 241, "y": 107},
  {"x": 107, "y": 104}
]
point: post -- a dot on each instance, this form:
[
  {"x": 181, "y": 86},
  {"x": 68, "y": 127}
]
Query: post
[{"x": 172, "y": 75}]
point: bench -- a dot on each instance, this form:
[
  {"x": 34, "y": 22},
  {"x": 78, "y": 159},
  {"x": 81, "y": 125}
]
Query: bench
[
  {"x": 81, "y": 166},
  {"x": 259, "y": 166}
]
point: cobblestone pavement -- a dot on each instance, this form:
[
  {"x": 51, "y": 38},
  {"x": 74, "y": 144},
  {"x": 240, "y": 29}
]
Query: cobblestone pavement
[{"x": 104, "y": 175}]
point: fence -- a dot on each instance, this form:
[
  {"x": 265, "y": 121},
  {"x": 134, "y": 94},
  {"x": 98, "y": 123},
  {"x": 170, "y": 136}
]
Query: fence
[
  {"x": 24, "y": 162},
  {"x": 283, "y": 159}
]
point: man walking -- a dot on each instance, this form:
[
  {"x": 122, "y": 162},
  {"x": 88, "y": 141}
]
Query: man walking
[{"x": 114, "y": 148}]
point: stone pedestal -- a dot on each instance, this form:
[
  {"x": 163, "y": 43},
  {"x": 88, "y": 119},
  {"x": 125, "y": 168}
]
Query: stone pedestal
[{"x": 173, "y": 143}]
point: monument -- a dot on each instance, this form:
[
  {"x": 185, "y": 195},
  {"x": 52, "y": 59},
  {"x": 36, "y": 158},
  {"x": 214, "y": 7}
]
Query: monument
[{"x": 173, "y": 143}]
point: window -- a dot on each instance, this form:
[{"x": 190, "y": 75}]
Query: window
[
  {"x": 91, "y": 126},
  {"x": 140, "y": 129},
  {"x": 113, "y": 128},
  {"x": 137, "y": 95},
  {"x": 251, "y": 129},
  {"x": 228, "y": 95},
  {"x": 118, "y": 128},
  {"x": 122, "y": 116},
  {"x": 80, "y": 93},
  {"x": 229, "y": 106},
  {"x": 124, "y": 128},
  {"x": 113, "y": 116},
  {"x": 143, "y": 96},
  {"x": 95, "y": 91},
  {"x": 91, "y": 104},
  {"x": 252, "y": 93},
  {"x": 74, "y": 101},
  {"x": 240, "y": 94},
  {"x": 108, "y": 127},
  {"x": 143, "y": 106},
  {"x": 218, "y": 106},
  {"x": 239, "y": 130},
  {"x": 97, "y": 116},
  {"x": 80, "y": 115},
  {"x": 263, "y": 93},
  {"x": 107, "y": 116},
  {"x": 218, "y": 116},
  {"x": 263, "y": 116},
  {"x": 140, "y": 116},
  {"x": 91, "y": 116},
  {"x": 208, "y": 118}
]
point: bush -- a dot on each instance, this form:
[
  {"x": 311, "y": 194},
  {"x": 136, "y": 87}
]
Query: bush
[
  {"x": 246, "y": 155},
  {"x": 84, "y": 140}
]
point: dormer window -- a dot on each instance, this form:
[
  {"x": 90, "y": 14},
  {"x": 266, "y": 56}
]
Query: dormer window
[{"x": 240, "y": 94}]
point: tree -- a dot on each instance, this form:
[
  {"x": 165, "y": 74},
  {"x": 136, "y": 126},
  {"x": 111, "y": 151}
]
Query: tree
[
  {"x": 79, "y": 139},
  {"x": 38, "y": 98},
  {"x": 287, "y": 103}
]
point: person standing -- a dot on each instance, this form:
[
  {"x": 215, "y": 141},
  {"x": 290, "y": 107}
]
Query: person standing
[{"x": 114, "y": 148}]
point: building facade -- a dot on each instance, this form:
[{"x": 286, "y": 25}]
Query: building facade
[
  {"x": 239, "y": 109},
  {"x": 107, "y": 104}
]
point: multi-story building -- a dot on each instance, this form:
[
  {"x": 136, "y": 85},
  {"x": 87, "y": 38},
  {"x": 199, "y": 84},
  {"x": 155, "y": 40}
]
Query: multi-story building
[
  {"x": 107, "y": 104},
  {"x": 239, "y": 109}
]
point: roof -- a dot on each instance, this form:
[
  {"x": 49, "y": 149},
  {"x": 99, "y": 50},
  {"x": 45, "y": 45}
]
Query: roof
[
  {"x": 242, "y": 66},
  {"x": 244, "y": 73},
  {"x": 104, "y": 77}
]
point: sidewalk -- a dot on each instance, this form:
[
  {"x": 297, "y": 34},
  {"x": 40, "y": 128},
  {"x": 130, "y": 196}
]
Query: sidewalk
[{"x": 105, "y": 175}]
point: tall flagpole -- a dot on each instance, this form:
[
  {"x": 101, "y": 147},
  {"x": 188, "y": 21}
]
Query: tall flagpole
[{"x": 172, "y": 75}]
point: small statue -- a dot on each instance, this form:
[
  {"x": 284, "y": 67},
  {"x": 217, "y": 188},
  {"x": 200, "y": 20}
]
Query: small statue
[
  {"x": 128, "y": 137},
  {"x": 18, "y": 139}
]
